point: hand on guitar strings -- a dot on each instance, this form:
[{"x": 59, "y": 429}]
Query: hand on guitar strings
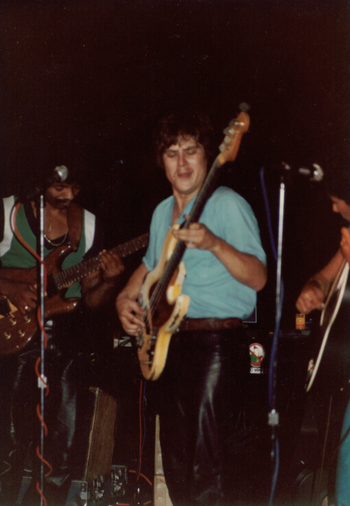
[
  {"x": 130, "y": 314},
  {"x": 111, "y": 265},
  {"x": 311, "y": 297},
  {"x": 197, "y": 236}
]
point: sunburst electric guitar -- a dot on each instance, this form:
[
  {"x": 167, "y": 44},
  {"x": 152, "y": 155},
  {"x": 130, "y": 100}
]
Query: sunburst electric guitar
[
  {"x": 16, "y": 329},
  {"x": 161, "y": 299},
  {"x": 329, "y": 314}
]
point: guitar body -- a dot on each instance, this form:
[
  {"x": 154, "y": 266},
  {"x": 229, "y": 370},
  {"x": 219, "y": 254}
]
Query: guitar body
[
  {"x": 16, "y": 329},
  {"x": 154, "y": 340},
  {"x": 333, "y": 352}
]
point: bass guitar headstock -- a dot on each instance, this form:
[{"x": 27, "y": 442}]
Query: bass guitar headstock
[{"x": 233, "y": 135}]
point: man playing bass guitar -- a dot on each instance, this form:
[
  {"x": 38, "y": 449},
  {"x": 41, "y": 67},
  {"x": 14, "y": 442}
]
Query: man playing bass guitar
[{"x": 199, "y": 392}]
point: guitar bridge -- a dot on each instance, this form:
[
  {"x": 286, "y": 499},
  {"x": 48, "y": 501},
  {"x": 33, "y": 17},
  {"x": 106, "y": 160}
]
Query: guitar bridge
[{"x": 152, "y": 343}]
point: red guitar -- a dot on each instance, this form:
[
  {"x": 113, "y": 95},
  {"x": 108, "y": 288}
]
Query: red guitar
[{"x": 16, "y": 330}]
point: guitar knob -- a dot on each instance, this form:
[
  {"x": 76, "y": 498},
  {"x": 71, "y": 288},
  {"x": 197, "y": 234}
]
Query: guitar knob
[
  {"x": 21, "y": 333},
  {"x": 7, "y": 335},
  {"x": 12, "y": 321},
  {"x": 27, "y": 319}
]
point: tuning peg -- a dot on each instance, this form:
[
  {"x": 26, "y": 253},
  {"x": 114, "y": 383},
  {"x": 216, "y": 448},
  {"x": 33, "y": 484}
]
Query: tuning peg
[
  {"x": 229, "y": 130},
  {"x": 244, "y": 107}
]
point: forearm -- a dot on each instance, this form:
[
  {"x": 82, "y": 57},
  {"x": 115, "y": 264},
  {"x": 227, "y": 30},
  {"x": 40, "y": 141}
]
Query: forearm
[
  {"x": 128, "y": 310},
  {"x": 314, "y": 292},
  {"x": 99, "y": 286},
  {"x": 318, "y": 282},
  {"x": 245, "y": 268},
  {"x": 99, "y": 295},
  {"x": 323, "y": 279},
  {"x": 132, "y": 288}
]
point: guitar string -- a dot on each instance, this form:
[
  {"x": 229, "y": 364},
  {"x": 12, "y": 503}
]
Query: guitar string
[{"x": 86, "y": 265}]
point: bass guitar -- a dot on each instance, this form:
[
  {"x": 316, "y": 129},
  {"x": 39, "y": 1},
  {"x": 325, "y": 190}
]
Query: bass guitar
[
  {"x": 16, "y": 329},
  {"x": 161, "y": 299},
  {"x": 329, "y": 314}
]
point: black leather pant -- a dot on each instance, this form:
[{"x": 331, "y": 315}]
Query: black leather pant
[
  {"x": 60, "y": 407},
  {"x": 61, "y": 416},
  {"x": 200, "y": 397}
]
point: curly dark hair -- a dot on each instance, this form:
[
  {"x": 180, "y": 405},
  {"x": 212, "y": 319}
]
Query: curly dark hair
[
  {"x": 42, "y": 178},
  {"x": 182, "y": 124}
]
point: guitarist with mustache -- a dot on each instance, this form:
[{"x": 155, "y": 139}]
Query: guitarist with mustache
[
  {"x": 65, "y": 223},
  {"x": 199, "y": 392},
  {"x": 331, "y": 391}
]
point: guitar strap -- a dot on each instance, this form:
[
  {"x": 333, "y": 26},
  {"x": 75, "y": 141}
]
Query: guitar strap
[{"x": 75, "y": 224}]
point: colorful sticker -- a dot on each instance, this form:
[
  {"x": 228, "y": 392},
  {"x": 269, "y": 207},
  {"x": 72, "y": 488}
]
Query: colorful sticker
[{"x": 257, "y": 355}]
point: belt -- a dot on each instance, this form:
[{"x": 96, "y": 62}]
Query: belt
[{"x": 209, "y": 324}]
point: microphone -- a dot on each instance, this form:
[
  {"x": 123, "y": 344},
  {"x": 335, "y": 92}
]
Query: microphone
[
  {"x": 314, "y": 173},
  {"x": 60, "y": 174}
]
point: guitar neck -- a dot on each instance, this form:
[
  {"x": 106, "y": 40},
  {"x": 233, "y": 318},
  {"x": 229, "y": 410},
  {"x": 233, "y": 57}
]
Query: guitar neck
[
  {"x": 73, "y": 274},
  {"x": 203, "y": 194},
  {"x": 229, "y": 149},
  {"x": 194, "y": 215}
]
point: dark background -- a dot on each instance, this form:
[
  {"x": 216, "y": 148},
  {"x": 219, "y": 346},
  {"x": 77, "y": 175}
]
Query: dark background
[
  {"x": 94, "y": 76},
  {"x": 97, "y": 75}
]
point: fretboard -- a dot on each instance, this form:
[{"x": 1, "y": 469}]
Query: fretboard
[{"x": 73, "y": 274}]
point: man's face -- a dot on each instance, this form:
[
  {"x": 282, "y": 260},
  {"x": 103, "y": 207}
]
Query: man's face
[
  {"x": 341, "y": 207},
  {"x": 185, "y": 166},
  {"x": 60, "y": 195}
]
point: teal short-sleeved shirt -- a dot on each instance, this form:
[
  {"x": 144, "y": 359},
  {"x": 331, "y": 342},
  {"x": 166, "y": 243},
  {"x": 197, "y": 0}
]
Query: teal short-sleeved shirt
[{"x": 213, "y": 292}]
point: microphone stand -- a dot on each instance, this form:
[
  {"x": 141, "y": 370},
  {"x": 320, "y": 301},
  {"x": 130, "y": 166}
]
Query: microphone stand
[
  {"x": 42, "y": 379},
  {"x": 273, "y": 417},
  {"x": 60, "y": 174}
]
